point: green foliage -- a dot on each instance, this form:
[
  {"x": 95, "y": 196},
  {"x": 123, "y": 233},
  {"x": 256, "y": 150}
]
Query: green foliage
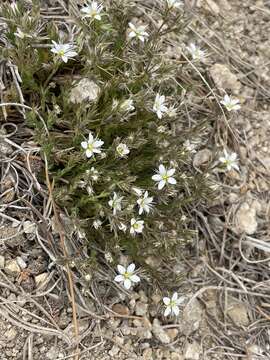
[{"x": 122, "y": 68}]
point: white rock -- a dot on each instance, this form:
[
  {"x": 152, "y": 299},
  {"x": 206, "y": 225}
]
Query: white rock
[
  {"x": 114, "y": 351},
  {"x": 160, "y": 333},
  {"x": 12, "y": 267},
  {"x": 40, "y": 279},
  {"x": 29, "y": 227},
  {"x": 2, "y": 262},
  {"x": 238, "y": 312},
  {"x": 202, "y": 157},
  {"x": 210, "y": 6},
  {"x": 84, "y": 90},
  {"x": 141, "y": 308},
  {"x": 224, "y": 79},
  {"x": 192, "y": 351},
  {"x": 192, "y": 316},
  {"x": 245, "y": 219},
  {"x": 22, "y": 264}
]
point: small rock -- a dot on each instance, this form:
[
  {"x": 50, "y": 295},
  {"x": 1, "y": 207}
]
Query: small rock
[
  {"x": 2, "y": 262},
  {"x": 40, "y": 279},
  {"x": 216, "y": 224},
  {"x": 160, "y": 333},
  {"x": 238, "y": 312},
  {"x": 192, "y": 351},
  {"x": 141, "y": 308},
  {"x": 114, "y": 351},
  {"x": 22, "y": 264},
  {"x": 224, "y": 79},
  {"x": 202, "y": 157},
  {"x": 83, "y": 325},
  {"x": 192, "y": 316},
  {"x": 121, "y": 309},
  {"x": 147, "y": 354},
  {"x": 84, "y": 90},
  {"x": 172, "y": 333},
  {"x": 245, "y": 219},
  {"x": 176, "y": 356},
  {"x": 11, "y": 334},
  {"x": 29, "y": 227},
  {"x": 210, "y": 6},
  {"x": 12, "y": 267}
]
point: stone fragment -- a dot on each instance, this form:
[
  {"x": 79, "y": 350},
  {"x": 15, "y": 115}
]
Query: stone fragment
[
  {"x": 192, "y": 351},
  {"x": 85, "y": 90},
  {"x": 160, "y": 333},
  {"x": 202, "y": 157},
  {"x": 121, "y": 309},
  {"x": 245, "y": 219},
  {"x": 224, "y": 79},
  {"x": 12, "y": 267}
]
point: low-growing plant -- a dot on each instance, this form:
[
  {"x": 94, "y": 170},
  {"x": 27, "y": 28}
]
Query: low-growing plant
[{"x": 118, "y": 126}]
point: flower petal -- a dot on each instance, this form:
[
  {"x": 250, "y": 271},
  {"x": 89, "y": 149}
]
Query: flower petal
[
  {"x": 172, "y": 180},
  {"x": 166, "y": 300},
  {"x": 119, "y": 278},
  {"x": 161, "y": 184},
  {"x": 135, "y": 278},
  {"x": 127, "y": 284},
  {"x": 167, "y": 311},
  {"x": 156, "y": 177},
  {"x": 170, "y": 172},
  {"x": 162, "y": 169},
  {"x": 84, "y": 144},
  {"x": 131, "y": 268},
  {"x": 175, "y": 310},
  {"x": 121, "y": 269},
  {"x": 175, "y": 296},
  {"x": 88, "y": 153}
]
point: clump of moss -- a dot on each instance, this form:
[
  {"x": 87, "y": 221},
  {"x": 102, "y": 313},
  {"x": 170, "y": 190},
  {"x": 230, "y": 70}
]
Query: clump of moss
[{"x": 126, "y": 71}]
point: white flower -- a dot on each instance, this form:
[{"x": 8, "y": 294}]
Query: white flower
[
  {"x": 127, "y": 276},
  {"x": 64, "y": 51},
  {"x": 122, "y": 150},
  {"x": 127, "y": 105},
  {"x": 138, "y": 32},
  {"x": 115, "y": 203},
  {"x": 172, "y": 111},
  {"x": 122, "y": 227},
  {"x": 87, "y": 277},
  {"x": 92, "y": 10},
  {"x": 93, "y": 173},
  {"x": 92, "y": 145},
  {"x": 136, "y": 226},
  {"x": 159, "y": 106},
  {"x": 145, "y": 203},
  {"x": 22, "y": 35},
  {"x": 230, "y": 103},
  {"x": 172, "y": 304},
  {"x": 189, "y": 146},
  {"x": 196, "y": 52},
  {"x": 164, "y": 176},
  {"x": 229, "y": 160},
  {"x": 97, "y": 224},
  {"x": 174, "y": 3},
  {"x": 161, "y": 129}
]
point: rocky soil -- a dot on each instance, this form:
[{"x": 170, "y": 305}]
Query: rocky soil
[{"x": 214, "y": 322}]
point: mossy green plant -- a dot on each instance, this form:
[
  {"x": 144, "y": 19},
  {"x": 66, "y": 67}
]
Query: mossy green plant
[{"x": 128, "y": 73}]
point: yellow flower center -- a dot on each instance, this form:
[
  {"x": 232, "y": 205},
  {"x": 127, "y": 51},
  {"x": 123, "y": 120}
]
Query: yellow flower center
[
  {"x": 126, "y": 275},
  {"x": 90, "y": 147},
  {"x": 61, "y": 53},
  {"x": 165, "y": 177}
]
